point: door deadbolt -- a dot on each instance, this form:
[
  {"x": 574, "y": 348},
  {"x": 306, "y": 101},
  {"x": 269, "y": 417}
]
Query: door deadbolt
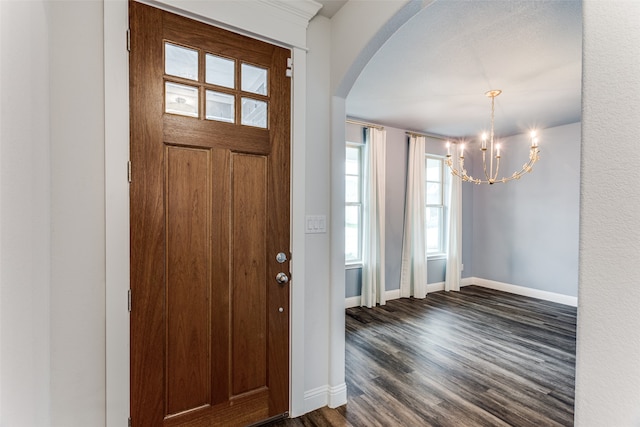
[{"x": 281, "y": 257}]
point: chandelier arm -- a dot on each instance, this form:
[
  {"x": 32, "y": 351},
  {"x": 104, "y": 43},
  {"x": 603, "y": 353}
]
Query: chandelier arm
[
  {"x": 526, "y": 168},
  {"x": 491, "y": 136},
  {"x": 495, "y": 176},
  {"x": 484, "y": 164}
]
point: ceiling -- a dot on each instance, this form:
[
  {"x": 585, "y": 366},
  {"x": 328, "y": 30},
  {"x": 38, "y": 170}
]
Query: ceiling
[{"x": 432, "y": 74}]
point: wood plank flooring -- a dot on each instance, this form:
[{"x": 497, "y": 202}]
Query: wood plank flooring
[{"x": 477, "y": 357}]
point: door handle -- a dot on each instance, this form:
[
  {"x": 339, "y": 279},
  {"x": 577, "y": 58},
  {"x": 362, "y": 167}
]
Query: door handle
[{"x": 282, "y": 278}]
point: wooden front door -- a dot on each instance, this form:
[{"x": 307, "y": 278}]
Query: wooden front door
[{"x": 210, "y": 143}]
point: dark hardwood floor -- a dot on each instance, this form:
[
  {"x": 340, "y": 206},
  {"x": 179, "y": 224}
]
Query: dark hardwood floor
[{"x": 478, "y": 357}]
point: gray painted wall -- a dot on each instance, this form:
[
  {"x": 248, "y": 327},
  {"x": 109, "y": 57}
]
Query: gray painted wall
[
  {"x": 526, "y": 232},
  {"x": 522, "y": 233}
]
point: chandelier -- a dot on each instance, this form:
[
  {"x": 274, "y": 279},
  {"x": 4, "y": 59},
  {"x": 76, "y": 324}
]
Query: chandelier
[{"x": 491, "y": 170}]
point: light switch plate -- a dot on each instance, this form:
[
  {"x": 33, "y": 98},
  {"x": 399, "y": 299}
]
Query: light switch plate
[{"x": 315, "y": 224}]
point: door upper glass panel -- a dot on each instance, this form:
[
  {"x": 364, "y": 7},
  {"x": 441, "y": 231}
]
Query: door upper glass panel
[
  {"x": 224, "y": 89},
  {"x": 180, "y": 61},
  {"x": 254, "y": 79},
  {"x": 254, "y": 113},
  {"x": 181, "y": 99},
  {"x": 220, "y": 106},
  {"x": 220, "y": 71}
]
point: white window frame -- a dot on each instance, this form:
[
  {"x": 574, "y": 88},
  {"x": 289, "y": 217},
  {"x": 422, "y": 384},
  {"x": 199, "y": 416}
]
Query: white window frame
[
  {"x": 441, "y": 253},
  {"x": 356, "y": 262}
]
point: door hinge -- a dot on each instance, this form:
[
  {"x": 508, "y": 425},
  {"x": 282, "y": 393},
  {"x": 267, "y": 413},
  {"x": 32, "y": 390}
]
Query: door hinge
[
  {"x": 129, "y": 422},
  {"x": 129, "y": 300},
  {"x": 129, "y": 171},
  {"x": 128, "y": 40},
  {"x": 289, "y": 71}
]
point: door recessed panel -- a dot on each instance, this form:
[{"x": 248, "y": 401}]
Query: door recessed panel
[
  {"x": 188, "y": 279},
  {"x": 248, "y": 283}
]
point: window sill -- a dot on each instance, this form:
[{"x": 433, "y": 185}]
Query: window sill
[
  {"x": 353, "y": 266},
  {"x": 436, "y": 257}
]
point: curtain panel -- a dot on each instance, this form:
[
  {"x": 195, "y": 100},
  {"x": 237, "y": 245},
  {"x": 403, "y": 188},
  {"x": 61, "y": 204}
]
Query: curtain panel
[
  {"x": 453, "y": 271},
  {"x": 373, "y": 269},
  {"x": 413, "y": 274}
]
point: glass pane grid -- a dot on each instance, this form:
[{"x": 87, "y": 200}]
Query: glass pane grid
[
  {"x": 434, "y": 168},
  {"x": 254, "y": 113},
  {"x": 220, "y": 106},
  {"x": 434, "y": 230},
  {"x": 434, "y": 204},
  {"x": 352, "y": 189},
  {"x": 180, "y": 61},
  {"x": 353, "y": 204},
  {"x": 181, "y": 99},
  {"x": 254, "y": 79},
  {"x": 353, "y": 232},
  {"x": 220, "y": 71}
]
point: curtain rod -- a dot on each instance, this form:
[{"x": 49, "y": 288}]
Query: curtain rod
[
  {"x": 365, "y": 124},
  {"x": 426, "y": 135}
]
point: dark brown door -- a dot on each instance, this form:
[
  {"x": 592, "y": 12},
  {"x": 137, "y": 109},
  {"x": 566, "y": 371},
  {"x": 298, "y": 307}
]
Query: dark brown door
[{"x": 210, "y": 126}]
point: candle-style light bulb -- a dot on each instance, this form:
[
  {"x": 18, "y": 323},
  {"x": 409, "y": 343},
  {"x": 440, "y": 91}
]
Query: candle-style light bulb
[
  {"x": 461, "y": 150},
  {"x": 497, "y": 150},
  {"x": 448, "y": 148},
  {"x": 484, "y": 141}
]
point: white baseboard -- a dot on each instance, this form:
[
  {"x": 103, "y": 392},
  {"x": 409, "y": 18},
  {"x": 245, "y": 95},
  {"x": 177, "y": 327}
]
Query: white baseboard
[
  {"x": 395, "y": 293},
  {"x": 490, "y": 284},
  {"x": 338, "y": 395},
  {"x": 325, "y": 395},
  {"x": 352, "y": 301},
  {"x": 355, "y": 301},
  {"x": 316, "y": 398},
  {"x": 527, "y": 292}
]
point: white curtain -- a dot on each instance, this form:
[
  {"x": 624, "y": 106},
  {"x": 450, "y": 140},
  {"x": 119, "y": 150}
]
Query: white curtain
[
  {"x": 413, "y": 274},
  {"x": 373, "y": 280},
  {"x": 454, "y": 246}
]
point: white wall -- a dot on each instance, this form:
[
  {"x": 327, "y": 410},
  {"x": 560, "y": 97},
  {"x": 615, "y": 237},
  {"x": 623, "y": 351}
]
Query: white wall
[
  {"x": 608, "y": 354},
  {"x": 25, "y": 214},
  {"x": 77, "y": 214},
  {"x": 317, "y": 284}
]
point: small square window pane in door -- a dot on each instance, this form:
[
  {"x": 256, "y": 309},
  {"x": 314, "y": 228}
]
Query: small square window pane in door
[
  {"x": 181, "y": 99},
  {"x": 220, "y": 71},
  {"x": 254, "y": 113},
  {"x": 180, "y": 61},
  {"x": 254, "y": 79},
  {"x": 220, "y": 107}
]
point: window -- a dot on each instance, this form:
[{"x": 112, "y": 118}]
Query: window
[
  {"x": 434, "y": 204},
  {"x": 353, "y": 203},
  {"x": 218, "y": 77}
]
